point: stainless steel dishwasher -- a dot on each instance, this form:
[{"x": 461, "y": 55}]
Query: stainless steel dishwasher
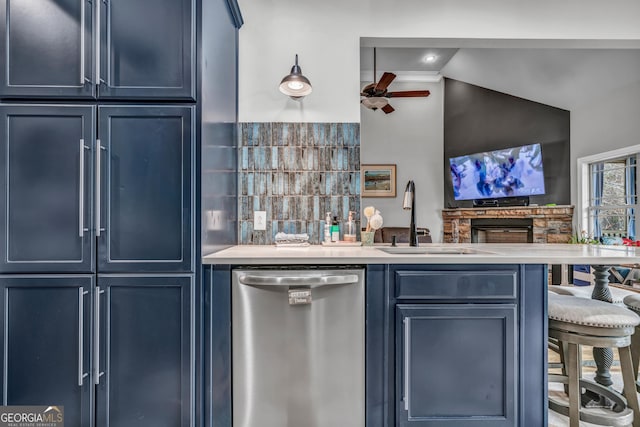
[{"x": 298, "y": 348}]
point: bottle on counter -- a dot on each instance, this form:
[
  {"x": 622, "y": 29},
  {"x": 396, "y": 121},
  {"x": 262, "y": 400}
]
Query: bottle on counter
[
  {"x": 350, "y": 232},
  {"x": 327, "y": 228},
  {"x": 335, "y": 230}
]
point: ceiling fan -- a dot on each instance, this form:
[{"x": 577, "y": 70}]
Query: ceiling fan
[{"x": 376, "y": 95}]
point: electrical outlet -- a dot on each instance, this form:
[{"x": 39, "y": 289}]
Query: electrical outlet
[
  {"x": 259, "y": 220},
  {"x": 214, "y": 220}
]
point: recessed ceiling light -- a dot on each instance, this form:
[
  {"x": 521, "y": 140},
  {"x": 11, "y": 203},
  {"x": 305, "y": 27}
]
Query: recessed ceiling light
[{"x": 430, "y": 58}]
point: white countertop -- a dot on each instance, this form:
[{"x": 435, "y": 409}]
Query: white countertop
[{"x": 488, "y": 253}]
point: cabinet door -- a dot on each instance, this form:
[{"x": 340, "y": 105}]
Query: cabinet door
[
  {"x": 147, "y": 358},
  {"x": 145, "y": 189},
  {"x": 45, "y": 156},
  {"x": 456, "y": 365},
  {"x": 46, "y": 338},
  {"x": 45, "y": 47},
  {"x": 147, "y": 49}
]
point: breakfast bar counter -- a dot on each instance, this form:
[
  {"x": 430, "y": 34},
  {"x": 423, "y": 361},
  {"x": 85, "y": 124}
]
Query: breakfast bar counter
[
  {"x": 455, "y": 334},
  {"x": 479, "y": 253}
]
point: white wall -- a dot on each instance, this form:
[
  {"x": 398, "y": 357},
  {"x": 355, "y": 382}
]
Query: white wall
[
  {"x": 605, "y": 124},
  {"x": 326, "y": 34},
  {"x": 411, "y": 137}
]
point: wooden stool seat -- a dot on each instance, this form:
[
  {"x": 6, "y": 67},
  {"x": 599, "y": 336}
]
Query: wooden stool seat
[{"x": 581, "y": 321}]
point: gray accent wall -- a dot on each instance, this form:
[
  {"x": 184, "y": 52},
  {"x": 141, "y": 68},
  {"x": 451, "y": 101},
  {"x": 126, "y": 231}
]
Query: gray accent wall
[
  {"x": 478, "y": 119},
  {"x": 296, "y": 172}
]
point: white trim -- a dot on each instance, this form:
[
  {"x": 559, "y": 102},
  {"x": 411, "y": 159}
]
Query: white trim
[
  {"x": 610, "y": 155},
  {"x": 406, "y": 76},
  {"x": 499, "y": 42},
  {"x": 582, "y": 176}
]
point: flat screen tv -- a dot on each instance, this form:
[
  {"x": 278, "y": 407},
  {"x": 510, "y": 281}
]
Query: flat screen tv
[{"x": 510, "y": 172}]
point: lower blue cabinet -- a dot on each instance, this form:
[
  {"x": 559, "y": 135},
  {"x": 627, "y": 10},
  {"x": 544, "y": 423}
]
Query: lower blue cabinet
[
  {"x": 45, "y": 330},
  {"x": 456, "y": 365},
  {"x": 119, "y": 352},
  {"x": 146, "y": 357}
]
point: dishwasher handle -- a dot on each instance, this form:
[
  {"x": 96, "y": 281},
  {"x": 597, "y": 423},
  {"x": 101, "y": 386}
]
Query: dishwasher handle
[{"x": 346, "y": 279}]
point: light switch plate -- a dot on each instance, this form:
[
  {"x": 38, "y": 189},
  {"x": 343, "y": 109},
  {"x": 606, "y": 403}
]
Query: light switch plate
[{"x": 259, "y": 220}]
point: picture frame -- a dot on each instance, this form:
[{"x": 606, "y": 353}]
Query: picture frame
[{"x": 378, "y": 180}]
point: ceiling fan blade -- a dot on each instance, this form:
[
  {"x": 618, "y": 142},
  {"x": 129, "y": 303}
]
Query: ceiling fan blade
[
  {"x": 408, "y": 94},
  {"x": 385, "y": 81},
  {"x": 388, "y": 109}
]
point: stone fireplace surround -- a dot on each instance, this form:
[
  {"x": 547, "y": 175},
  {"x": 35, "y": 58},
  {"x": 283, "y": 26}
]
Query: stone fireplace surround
[{"x": 550, "y": 224}]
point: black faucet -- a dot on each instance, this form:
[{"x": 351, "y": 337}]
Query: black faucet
[{"x": 409, "y": 202}]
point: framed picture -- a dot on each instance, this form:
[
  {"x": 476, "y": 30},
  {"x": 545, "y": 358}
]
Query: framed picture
[{"x": 378, "y": 180}]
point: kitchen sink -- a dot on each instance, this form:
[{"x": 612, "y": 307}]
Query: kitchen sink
[{"x": 407, "y": 250}]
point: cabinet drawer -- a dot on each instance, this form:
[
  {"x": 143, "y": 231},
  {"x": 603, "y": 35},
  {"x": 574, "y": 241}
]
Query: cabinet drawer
[{"x": 470, "y": 284}]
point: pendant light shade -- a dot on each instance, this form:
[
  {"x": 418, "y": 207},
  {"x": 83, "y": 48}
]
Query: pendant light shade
[{"x": 295, "y": 84}]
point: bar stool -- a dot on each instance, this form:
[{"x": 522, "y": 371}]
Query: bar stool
[
  {"x": 617, "y": 294},
  {"x": 633, "y": 303},
  {"x": 581, "y": 321}
]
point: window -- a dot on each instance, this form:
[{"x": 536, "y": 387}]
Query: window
[{"x": 612, "y": 199}]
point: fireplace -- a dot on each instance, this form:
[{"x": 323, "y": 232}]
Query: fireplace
[
  {"x": 537, "y": 224},
  {"x": 502, "y": 230}
]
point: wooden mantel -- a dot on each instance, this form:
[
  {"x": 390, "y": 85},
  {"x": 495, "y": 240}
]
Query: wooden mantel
[{"x": 551, "y": 224}]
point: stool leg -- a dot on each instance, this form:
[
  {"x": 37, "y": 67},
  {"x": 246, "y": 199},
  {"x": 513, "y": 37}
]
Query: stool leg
[
  {"x": 629, "y": 383},
  {"x": 563, "y": 350},
  {"x": 635, "y": 352},
  {"x": 574, "y": 384}
]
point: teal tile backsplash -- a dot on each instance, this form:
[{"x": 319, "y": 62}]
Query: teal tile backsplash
[{"x": 296, "y": 172}]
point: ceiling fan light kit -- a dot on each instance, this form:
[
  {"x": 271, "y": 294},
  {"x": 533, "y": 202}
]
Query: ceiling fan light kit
[
  {"x": 295, "y": 85},
  {"x": 375, "y": 102},
  {"x": 376, "y": 94}
]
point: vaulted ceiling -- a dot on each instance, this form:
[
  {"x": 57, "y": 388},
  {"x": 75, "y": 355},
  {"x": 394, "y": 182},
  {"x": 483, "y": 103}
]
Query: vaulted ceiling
[{"x": 561, "y": 77}]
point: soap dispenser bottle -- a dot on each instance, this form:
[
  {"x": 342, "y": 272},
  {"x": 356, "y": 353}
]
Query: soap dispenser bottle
[
  {"x": 327, "y": 228},
  {"x": 335, "y": 230},
  {"x": 350, "y": 232}
]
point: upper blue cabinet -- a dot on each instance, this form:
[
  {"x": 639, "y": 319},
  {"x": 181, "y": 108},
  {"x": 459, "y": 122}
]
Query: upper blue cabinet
[
  {"x": 45, "y": 218},
  {"x": 46, "y": 49},
  {"x": 146, "y": 49},
  {"x": 106, "y": 49}
]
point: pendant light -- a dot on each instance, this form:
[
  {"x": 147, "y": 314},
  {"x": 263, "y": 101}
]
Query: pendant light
[{"x": 295, "y": 84}]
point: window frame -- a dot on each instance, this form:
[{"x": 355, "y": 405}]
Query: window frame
[{"x": 584, "y": 188}]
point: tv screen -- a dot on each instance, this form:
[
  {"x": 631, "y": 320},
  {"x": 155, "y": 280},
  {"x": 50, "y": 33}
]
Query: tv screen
[{"x": 510, "y": 172}]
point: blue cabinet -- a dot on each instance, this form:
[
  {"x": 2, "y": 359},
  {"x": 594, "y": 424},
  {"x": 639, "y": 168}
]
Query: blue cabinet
[
  {"x": 456, "y": 353},
  {"x": 46, "y": 49},
  {"x": 144, "y": 189},
  {"x": 131, "y": 337},
  {"x": 46, "y": 222},
  {"x": 147, "y": 49},
  {"x": 46, "y": 158},
  {"x": 456, "y": 345},
  {"x": 146, "y": 351},
  {"x": 123, "y": 49},
  {"x": 456, "y": 365},
  {"x": 106, "y": 192},
  {"x": 46, "y": 334},
  {"x": 131, "y": 188},
  {"x": 125, "y": 199}
]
